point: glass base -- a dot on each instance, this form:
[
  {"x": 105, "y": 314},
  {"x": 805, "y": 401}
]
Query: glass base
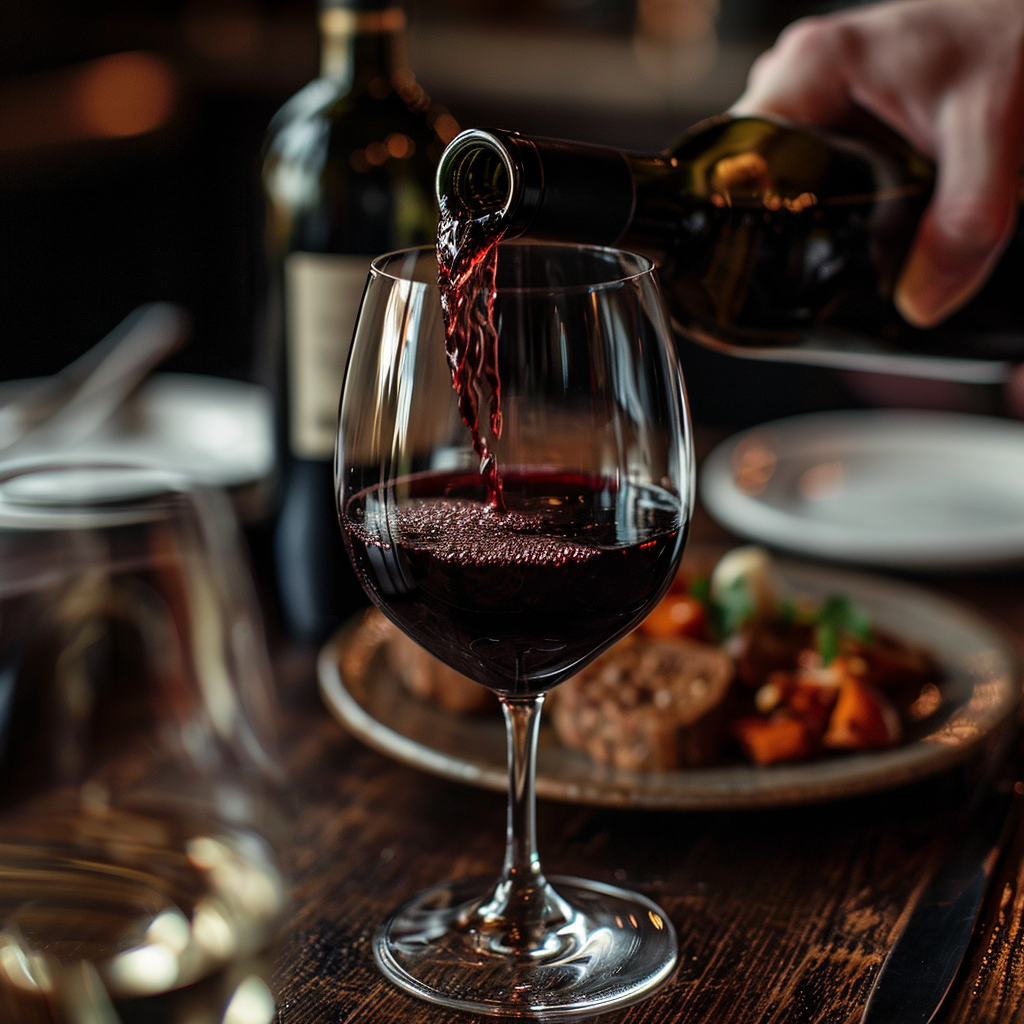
[{"x": 601, "y": 948}]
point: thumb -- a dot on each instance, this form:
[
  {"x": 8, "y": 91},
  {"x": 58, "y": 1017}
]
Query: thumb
[{"x": 969, "y": 219}]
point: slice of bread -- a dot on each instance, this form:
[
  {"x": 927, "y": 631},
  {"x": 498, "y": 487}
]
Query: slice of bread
[
  {"x": 419, "y": 672},
  {"x": 648, "y": 704}
]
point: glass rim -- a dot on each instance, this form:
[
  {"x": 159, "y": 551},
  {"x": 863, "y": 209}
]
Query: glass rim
[
  {"x": 34, "y": 494},
  {"x": 645, "y": 266}
]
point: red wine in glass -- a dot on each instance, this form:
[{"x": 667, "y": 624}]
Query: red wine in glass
[
  {"x": 520, "y": 598},
  {"x": 516, "y": 525}
]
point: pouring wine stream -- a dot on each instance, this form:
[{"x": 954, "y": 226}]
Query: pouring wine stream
[{"x": 467, "y": 265}]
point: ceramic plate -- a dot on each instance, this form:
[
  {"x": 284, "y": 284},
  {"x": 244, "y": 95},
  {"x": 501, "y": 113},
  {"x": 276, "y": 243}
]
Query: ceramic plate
[
  {"x": 914, "y": 490},
  {"x": 213, "y": 431},
  {"x": 980, "y": 691}
]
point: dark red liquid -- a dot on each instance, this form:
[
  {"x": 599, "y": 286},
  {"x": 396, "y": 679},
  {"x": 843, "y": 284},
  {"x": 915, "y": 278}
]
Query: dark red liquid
[
  {"x": 516, "y": 599},
  {"x": 467, "y": 260}
]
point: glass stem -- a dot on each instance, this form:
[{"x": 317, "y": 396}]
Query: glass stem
[
  {"x": 522, "y": 915},
  {"x": 522, "y": 864}
]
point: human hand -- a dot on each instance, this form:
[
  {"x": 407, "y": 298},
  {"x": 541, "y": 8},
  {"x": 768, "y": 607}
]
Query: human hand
[{"x": 948, "y": 75}]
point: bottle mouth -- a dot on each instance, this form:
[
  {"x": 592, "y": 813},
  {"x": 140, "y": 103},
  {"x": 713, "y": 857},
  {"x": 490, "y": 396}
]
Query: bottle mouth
[
  {"x": 547, "y": 189},
  {"x": 477, "y": 171}
]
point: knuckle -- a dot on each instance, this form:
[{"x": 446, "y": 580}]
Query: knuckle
[
  {"x": 972, "y": 225},
  {"x": 803, "y": 37},
  {"x": 820, "y": 38}
]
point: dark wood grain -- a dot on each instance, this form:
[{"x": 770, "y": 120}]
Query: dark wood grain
[{"x": 783, "y": 915}]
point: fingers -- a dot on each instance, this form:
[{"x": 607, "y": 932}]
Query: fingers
[
  {"x": 947, "y": 76},
  {"x": 972, "y": 211},
  {"x": 801, "y": 78}
]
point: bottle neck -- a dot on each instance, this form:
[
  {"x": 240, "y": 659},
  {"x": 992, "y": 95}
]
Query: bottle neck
[
  {"x": 543, "y": 188},
  {"x": 363, "y": 50},
  {"x": 649, "y": 231}
]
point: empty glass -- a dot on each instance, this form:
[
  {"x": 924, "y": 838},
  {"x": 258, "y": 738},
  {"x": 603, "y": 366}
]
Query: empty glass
[{"x": 137, "y": 878}]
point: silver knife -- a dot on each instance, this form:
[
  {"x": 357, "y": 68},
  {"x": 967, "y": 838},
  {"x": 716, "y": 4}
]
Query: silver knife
[{"x": 919, "y": 970}]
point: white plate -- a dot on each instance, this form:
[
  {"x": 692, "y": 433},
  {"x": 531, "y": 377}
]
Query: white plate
[
  {"x": 919, "y": 490},
  {"x": 979, "y": 689},
  {"x": 213, "y": 431}
]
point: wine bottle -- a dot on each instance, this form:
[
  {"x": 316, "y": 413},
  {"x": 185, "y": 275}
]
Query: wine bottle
[
  {"x": 348, "y": 174},
  {"x": 772, "y": 241}
]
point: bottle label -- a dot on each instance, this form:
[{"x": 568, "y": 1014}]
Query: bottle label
[{"x": 322, "y": 295}]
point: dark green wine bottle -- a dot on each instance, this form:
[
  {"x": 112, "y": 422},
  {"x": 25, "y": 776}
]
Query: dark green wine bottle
[
  {"x": 771, "y": 241},
  {"x": 348, "y": 174}
]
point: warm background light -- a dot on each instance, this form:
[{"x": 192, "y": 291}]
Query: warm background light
[
  {"x": 676, "y": 21},
  {"x": 223, "y": 30},
  {"x": 124, "y": 94},
  {"x": 114, "y": 97}
]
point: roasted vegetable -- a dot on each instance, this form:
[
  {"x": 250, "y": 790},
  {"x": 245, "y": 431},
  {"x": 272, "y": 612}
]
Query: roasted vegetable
[
  {"x": 678, "y": 614},
  {"x": 783, "y": 737},
  {"x": 862, "y": 719}
]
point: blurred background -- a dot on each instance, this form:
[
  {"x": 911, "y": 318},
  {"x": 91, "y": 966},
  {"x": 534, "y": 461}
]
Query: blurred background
[{"x": 130, "y": 138}]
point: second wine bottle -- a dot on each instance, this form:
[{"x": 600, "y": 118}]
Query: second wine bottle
[{"x": 348, "y": 174}]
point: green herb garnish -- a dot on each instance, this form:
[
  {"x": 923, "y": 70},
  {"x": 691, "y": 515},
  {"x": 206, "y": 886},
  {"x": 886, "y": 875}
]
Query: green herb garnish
[
  {"x": 700, "y": 588},
  {"x": 836, "y": 617},
  {"x": 734, "y": 607}
]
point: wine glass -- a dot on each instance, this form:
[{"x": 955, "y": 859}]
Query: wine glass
[
  {"x": 520, "y": 589},
  {"x": 141, "y": 795}
]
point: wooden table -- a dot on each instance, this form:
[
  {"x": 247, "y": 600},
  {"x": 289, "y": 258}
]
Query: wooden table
[{"x": 782, "y": 915}]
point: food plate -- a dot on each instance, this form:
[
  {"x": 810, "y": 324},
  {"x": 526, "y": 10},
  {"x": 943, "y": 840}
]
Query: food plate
[
  {"x": 919, "y": 490},
  {"x": 213, "y": 431},
  {"x": 980, "y": 691}
]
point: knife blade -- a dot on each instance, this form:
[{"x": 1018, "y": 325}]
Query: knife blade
[{"x": 917, "y": 973}]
